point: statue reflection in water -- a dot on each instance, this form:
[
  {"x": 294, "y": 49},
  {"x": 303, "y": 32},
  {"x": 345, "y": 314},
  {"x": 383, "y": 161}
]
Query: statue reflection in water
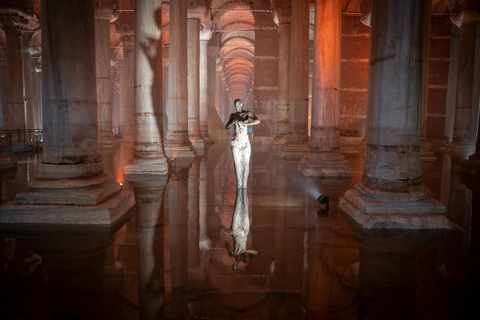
[
  {"x": 239, "y": 230},
  {"x": 241, "y": 149}
]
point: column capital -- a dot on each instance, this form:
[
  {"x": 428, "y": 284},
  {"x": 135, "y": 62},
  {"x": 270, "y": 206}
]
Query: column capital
[
  {"x": 107, "y": 9},
  {"x": 283, "y": 15},
  {"x": 206, "y": 30},
  {"x": 197, "y": 12},
  {"x": 128, "y": 40},
  {"x": 13, "y": 21},
  {"x": 466, "y": 18}
]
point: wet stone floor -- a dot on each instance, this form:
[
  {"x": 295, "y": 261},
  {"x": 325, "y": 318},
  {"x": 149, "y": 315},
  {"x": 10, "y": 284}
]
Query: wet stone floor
[{"x": 194, "y": 247}]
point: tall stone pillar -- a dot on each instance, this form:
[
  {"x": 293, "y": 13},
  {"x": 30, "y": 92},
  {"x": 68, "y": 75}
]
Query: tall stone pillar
[
  {"x": 452, "y": 83},
  {"x": 104, "y": 13},
  {"x": 3, "y": 95},
  {"x": 205, "y": 35},
  {"x": 193, "y": 74},
  {"x": 391, "y": 193},
  {"x": 127, "y": 92},
  {"x": 13, "y": 23},
  {"x": 194, "y": 215},
  {"x": 297, "y": 139},
  {"x": 71, "y": 187},
  {"x": 284, "y": 17},
  {"x": 463, "y": 132},
  {"x": 177, "y": 144},
  {"x": 29, "y": 101},
  {"x": 149, "y": 156},
  {"x": 324, "y": 158}
]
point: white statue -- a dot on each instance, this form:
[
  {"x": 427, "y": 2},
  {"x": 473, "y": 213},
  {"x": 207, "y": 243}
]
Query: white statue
[
  {"x": 239, "y": 230},
  {"x": 241, "y": 149}
]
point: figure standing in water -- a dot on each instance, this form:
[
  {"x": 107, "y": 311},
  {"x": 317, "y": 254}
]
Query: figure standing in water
[{"x": 241, "y": 149}]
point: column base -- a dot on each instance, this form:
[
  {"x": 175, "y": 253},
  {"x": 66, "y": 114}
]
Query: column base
[
  {"x": 279, "y": 140},
  {"x": 425, "y": 153},
  {"x": 471, "y": 166},
  {"x": 107, "y": 140},
  {"x": 157, "y": 166},
  {"x": 458, "y": 146},
  {"x": 294, "y": 150},
  {"x": 111, "y": 211},
  {"x": 400, "y": 214},
  {"x": 89, "y": 191},
  {"x": 329, "y": 163},
  {"x": 207, "y": 138},
  {"x": 179, "y": 149}
]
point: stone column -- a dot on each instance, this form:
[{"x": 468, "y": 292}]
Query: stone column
[
  {"x": 452, "y": 83},
  {"x": 104, "y": 13},
  {"x": 127, "y": 92},
  {"x": 13, "y": 23},
  {"x": 297, "y": 139},
  {"x": 284, "y": 17},
  {"x": 177, "y": 144},
  {"x": 149, "y": 156},
  {"x": 29, "y": 101},
  {"x": 193, "y": 74},
  {"x": 324, "y": 158},
  {"x": 3, "y": 95},
  {"x": 71, "y": 187},
  {"x": 463, "y": 132},
  {"x": 205, "y": 35},
  {"x": 391, "y": 193}
]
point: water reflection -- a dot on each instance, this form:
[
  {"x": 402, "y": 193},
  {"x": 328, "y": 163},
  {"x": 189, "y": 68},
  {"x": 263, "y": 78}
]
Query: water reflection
[{"x": 240, "y": 229}]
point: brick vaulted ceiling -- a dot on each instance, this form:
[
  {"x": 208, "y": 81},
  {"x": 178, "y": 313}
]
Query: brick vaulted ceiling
[{"x": 232, "y": 20}]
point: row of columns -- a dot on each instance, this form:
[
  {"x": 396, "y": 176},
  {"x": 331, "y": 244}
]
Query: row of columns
[{"x": 391, "y": 182}]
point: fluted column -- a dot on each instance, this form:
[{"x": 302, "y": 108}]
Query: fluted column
[
  {"x": 149, "y": 155},
  {"x": 463, "y": 131},
  {"x": 13, "y": 23},
  {"x": 71, "y": 186},
  {"x": 205, "y": 35},
  {"x": 127, "y": 92},
  {"x": 284, "y": 16},
  {"x": 391, "y": 193},
  {"x": 324, "y": 158},
  {"x": 297, "y": 139},
  {"x": 193, "y": 42},
  {"x": 104, "y": 13},
  {"x": 177, "y": 144}
]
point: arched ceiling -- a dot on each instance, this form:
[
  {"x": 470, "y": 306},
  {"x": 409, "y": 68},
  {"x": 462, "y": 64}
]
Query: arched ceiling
[{"x": 232, "y": 20}]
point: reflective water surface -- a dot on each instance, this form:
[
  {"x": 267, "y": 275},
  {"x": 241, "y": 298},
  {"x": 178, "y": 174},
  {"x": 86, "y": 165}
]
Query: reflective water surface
[{"x": 195, "y": 248}]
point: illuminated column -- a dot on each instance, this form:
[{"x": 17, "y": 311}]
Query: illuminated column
[
  {"x": 13, "y": 23},
  {"x": 205, "y": 35},
  {"x": 324, "y": 158},
  {"x": 177, "y": 144},
  {"x": 391, "y": 193},
  {"x": 148, "y": 153},
  {"x": 284, "y": 16},
  {"x": 463, "y": 130},
  {"x": 297, "y": 139},
  {"x": 193, "y": 22},
  {"x": 104, "y": 13},
  {"x": 127, "y": 93},
  {"x": 72, "y": 186}
]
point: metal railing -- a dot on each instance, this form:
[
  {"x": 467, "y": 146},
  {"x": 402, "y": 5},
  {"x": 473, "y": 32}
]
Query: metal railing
[{"x": 12, "y": 140}]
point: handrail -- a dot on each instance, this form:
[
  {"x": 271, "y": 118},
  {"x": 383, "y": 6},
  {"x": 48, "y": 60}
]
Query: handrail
[{"x": 25, "y": 135}]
